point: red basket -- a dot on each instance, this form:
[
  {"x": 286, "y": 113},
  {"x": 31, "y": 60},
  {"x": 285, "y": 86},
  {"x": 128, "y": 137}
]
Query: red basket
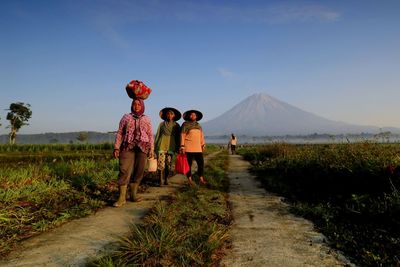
[{"x": 137, "y": 89}]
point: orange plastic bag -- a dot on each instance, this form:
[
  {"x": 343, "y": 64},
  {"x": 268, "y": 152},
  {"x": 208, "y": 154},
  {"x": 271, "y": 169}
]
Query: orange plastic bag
[
  {"x": 137, "y": 89},
  {"x": 181, "y": 164}
]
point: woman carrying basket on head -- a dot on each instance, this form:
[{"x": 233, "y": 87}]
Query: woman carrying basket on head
[{"x": 133, "y": 144}]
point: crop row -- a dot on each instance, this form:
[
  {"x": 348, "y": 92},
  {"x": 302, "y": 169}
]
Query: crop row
[
  {"x": 37, "y": 197},
  {"x": 55, "y": 147},
  {"x": 349, "y": 190}
]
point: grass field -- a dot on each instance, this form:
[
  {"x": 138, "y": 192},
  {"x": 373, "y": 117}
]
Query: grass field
[
  {"x": 350, "y": 191},
  {"x": 42, "y": 187}
]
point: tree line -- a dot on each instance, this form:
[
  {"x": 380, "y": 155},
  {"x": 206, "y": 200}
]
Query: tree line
[{"x": 18, "y": 116}]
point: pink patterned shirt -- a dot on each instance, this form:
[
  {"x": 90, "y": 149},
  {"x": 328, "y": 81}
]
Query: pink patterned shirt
[{"x": 134, "y": 132}]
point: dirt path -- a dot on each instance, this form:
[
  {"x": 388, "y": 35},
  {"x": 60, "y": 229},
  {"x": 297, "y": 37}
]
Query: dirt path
[
  {"x": 265, "y": 234},
  {"x": 73, "y": 243}
]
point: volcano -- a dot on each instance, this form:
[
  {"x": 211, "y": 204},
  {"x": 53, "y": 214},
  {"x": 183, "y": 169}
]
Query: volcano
[{"x": 264, "y": 115}]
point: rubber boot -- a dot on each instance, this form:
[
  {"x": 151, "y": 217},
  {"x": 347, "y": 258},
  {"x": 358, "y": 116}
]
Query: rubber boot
[
  {"x": 134, "y": 188},
  {"x": 122, "y": 196}
]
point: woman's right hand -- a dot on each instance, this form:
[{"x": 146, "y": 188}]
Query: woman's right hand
[{"x": 182, "y": 150}]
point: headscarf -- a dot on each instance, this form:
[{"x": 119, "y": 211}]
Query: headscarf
[
  {"x": 190, "y": 125},
  {"x": 140, "y": 113},
  {"x": 168, "y": 127}
]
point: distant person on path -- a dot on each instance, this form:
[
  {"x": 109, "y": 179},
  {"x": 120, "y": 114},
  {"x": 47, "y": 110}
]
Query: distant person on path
[
  {"x": 232, "y": 144},
  {"x": 166, "y": 143},
  {"x": 133, "y": 144},
  {"x": 193, "y": 143}
]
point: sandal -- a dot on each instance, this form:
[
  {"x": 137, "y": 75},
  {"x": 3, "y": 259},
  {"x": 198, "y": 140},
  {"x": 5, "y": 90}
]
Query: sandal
[
  {"x": 202, "y": 181},
  {"x": 138, "y": 199}
]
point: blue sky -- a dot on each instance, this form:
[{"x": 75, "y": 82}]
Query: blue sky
[{"x": 70, "y": 60}]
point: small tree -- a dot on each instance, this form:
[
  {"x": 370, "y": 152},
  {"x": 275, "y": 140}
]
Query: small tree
[
  {"x": 53, "y": 141},
  {"x": 83, "y": 136},
  {"x": 18, "y": 116}
]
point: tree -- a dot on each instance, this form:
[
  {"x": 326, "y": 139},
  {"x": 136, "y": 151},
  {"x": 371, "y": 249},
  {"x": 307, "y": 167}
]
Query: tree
[
  {"x": 83, "y": 136},
  {"x": 53, "y": 141},
  {"x": 18, "y": 116}
]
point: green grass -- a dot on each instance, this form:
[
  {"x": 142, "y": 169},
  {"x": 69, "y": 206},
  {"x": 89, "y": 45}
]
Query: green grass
[
  {"x": 44, "y": 186},
  {"x": 35, "y": 197},
  {"x": 350, "y": 191},
  {"x": 191, "y": 229},
  {"x": 55, "y": 148}
]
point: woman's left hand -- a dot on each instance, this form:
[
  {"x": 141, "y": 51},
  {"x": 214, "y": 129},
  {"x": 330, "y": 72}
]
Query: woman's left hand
[
  {"x": 151, "y": 154},
  {"x": 116, "y": 153}
]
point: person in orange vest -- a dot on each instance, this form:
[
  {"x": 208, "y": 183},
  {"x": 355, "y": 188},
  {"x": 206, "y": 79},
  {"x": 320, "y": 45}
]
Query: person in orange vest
[{"x": 193, "y": 143}]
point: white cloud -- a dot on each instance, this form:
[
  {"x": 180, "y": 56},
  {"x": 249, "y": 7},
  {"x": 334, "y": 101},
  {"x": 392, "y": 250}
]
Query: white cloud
[
  {"x": 109, "y": 17},
  {"x": 225, "y": 73},
  {"x": 121, "y": 12},
  {"x": 292, "y": 13}
]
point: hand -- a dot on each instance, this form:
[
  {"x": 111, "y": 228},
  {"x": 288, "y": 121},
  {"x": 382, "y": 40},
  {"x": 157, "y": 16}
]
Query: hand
[
  {"x": 151, "y": 154},
  {"x": 203, "y": 148},
  {"x": 182, "y": 150},
  {"x": 116, "y": 153}
]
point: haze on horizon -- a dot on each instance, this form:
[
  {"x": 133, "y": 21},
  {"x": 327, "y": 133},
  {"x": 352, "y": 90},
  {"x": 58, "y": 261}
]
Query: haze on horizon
[{"x": 72, "y": 59}]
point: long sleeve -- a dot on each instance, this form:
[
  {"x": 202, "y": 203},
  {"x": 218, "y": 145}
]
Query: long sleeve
[
  {"x": 119, "y": 135},
  {"x": 151, "y": 136},
  {"x": 183, "y": 137},
  {"x": 157, "y": 140},
  {"x": 203, "y": 141}
]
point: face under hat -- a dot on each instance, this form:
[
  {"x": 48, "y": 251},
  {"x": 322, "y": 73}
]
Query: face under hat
[
  {"x": 164, "y": 111},
  {"x": 186, "y": 115}
]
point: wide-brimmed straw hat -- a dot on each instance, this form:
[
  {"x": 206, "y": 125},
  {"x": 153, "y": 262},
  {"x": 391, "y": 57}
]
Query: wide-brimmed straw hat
[
  {"x": 186, "y": 115},
  {"x": 164, "y": 111}
]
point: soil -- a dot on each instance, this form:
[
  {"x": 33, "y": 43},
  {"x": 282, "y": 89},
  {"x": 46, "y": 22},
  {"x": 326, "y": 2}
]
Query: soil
[{"x": 264, "y": 232}]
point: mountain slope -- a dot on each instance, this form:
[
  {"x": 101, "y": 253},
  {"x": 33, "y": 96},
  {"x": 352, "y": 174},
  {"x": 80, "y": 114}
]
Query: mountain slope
[{"x": 261, "y": 115}]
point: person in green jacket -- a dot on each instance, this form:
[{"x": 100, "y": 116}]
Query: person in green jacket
[{"x": 167, "y": 142}]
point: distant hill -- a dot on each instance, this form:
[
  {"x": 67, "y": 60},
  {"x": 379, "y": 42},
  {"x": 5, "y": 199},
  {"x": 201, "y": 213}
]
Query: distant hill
[
  {"x": 263, "y": 115},
  {"x": 60, "y": 138}
]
